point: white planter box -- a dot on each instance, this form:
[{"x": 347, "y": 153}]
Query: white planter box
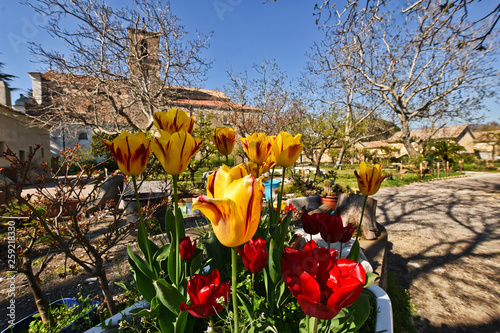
[
  {"x": 384, "y": 310},
  {"x": 115, "y": 320},
  {"x": 383, "y": 322}
]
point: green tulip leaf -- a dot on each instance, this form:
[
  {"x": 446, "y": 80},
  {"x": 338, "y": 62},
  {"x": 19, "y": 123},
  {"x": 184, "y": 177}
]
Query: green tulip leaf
[
  {"x": 162, "y": 253},
  {"x": 354, "y": 254},
  {"x": 180, "y": 223},
  {"x": 220, "y": 254},
  {"x": 166, "y": 319},
  {"x": 359, "y": 312},
  {"x": 142, "y": 240},
  {"x": 196, "y": 261},
  {"x": 168, "y": 295},
  {"x": 247, "y": 306},
  {"x": 170, "y": 225},
  {"x": 180, "y": 324},
  {"x": 140, "y": 263},
  {"x": 171, "y": 268},
  {"x": 370, "y": 279},
  {"x": 274, "y": 261},
  {"x": 144, "y": 283}
]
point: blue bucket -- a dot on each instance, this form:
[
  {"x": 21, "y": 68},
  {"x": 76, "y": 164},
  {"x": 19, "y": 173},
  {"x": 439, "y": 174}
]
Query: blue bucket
[{"x": 268, "y": 192}]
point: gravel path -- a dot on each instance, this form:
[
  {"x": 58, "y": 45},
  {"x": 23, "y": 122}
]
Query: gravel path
[{"x": 444, "y": 238}]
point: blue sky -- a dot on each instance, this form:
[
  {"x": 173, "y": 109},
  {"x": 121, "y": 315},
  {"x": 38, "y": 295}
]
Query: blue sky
[{"x": 245, "y": 32}]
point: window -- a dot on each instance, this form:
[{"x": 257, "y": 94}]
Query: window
[
  {"x": 83, "y": 136},
  {"x": 22, "y": 156},
  {"x": 143, "y": 48},
  {"x": 2, "y": 148},
  {"x": 43, "y": 153},
  {"x": 31, "y": 150}
]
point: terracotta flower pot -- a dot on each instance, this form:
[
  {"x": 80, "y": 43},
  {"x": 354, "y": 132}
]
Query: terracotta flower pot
[{"x": 330, "y": 200}]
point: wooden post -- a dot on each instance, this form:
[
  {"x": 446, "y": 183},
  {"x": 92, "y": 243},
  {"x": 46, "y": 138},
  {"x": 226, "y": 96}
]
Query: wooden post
[
  {"x": 421, "y": 171},
  {"x": 461, "y": 164},
  {"x": 349, "y": 207},
  {"x": 401, "y": 171},
  {"x": 447, "y": 168},
  {"x": 438, "y": 169}
]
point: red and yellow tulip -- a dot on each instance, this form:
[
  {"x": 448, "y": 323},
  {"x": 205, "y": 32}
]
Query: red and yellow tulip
[
  {"x": 174, "y": 151},
  {"x": 263, "y": 167},
  {"x": 224, "y": 139},
  {"x": 286, "y": 148},
  {"x": 174, "y": 120},
  {"x": 369, "y": 179},
  {"x": 257, "y": 147},
  {"x": 131, "y": 152},
  {"x": 232, "y": 204}
]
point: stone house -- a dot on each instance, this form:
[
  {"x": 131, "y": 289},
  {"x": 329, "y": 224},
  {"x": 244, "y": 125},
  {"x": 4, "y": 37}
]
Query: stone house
[
  {"x": 394, "y": 146},
  {"x": 21, "y": 134},
  {"x": 78, "y": 104},
  {"x": 487, "y": 145}
]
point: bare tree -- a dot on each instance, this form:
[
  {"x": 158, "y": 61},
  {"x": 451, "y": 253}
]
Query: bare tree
[
  {"x": 269, "y": 93},
  {"x": 453, "y": 9},
  {"x": 418, "y": 63},
  {"x": 344, "y": 90},
  {"x": 319, "y": 129},
  {"x": 123, "y": 63}
]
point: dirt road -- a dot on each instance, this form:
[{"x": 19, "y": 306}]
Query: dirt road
[{"x": 445, "y": 247}]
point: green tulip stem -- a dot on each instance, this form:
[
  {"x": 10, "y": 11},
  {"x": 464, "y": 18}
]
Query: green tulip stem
[
  {"x": 329, "y": 246},
  {"x": 361, "y": 219},
  {"x": 227, "y": 160},
  {"x": 307, "y": 323},
  {"x": 234, "y": 263},
  {"x": 280, "y": 196},
  {"x": 177, "y": 223},
  {"x": 315, "y": 329},
  {"x": 139, "y": 211},
  {"x": 252, "y": 291},
  {"x": 272, "y": 178},
  {"x": 340, "y": 251},
  {"x": 212, "y": 326},
  {"x": 136, "y": 190}
]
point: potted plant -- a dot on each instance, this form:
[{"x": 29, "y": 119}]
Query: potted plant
[{"x": 330, "y": 194}]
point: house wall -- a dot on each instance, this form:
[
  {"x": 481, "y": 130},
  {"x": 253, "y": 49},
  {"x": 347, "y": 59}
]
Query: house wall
[
  {"x": 18, "y": 133},
  {"x": 466, "y": 139},
  {"x": 68, "y": 137}
]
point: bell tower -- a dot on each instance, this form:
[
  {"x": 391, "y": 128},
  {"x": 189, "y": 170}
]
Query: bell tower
[{"x": 143, "y": 58}]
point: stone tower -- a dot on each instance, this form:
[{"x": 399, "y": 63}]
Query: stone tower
[{"x": 143, "y": 59}]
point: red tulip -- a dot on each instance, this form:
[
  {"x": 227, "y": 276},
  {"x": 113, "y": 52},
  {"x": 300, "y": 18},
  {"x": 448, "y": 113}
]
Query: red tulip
[
  {"x": 309, "y": 224},
  {"x": 254, "y": 255},
  {"x": 322, "y": 284},
  {"x": 349, "y": 230},
  {"x": 186, "y": 248},
  {"x": 208, "y": 295},
  {"x": 330, "y": 227}
]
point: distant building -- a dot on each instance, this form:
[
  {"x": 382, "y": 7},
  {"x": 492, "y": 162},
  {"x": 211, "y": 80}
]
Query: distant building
[
  {"x": 69, "y": 101},
  {"x": 487, "y": 145},
  {"x": 394, "y": 147},
  {"x": 21, "y": 134}
]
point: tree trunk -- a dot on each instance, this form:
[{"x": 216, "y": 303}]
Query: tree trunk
[
  {"x": 108, "y": 296},
  {"x": 350, "y": 206},
  {"x": 40, "y": 299},
  {"x": 341, "y": 156},
  {"x": 192, "y": 171},
  {"x": 406, "y": 136}
]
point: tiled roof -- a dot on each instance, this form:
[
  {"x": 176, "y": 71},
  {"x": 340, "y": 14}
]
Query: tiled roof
[
  {"x": 374, "y": 144},
  {"x": 212, "y": 103},
  {"x": 425, "y": 134}
]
